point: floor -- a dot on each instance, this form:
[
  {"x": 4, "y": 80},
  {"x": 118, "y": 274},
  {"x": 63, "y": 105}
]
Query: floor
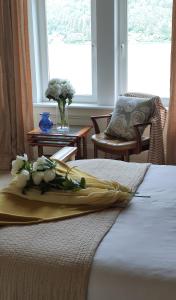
[{"x": 5, "y": 178}]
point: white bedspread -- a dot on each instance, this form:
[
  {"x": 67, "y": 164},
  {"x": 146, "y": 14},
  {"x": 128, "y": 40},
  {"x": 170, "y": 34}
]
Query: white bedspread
[{"x": 137, "y": 259}]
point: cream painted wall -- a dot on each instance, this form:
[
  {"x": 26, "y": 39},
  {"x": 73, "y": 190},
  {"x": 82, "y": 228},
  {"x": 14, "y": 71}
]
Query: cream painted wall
[{"x": 80, "y": 116}]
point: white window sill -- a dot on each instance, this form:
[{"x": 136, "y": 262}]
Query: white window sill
[{"x": 74, "y": 105}]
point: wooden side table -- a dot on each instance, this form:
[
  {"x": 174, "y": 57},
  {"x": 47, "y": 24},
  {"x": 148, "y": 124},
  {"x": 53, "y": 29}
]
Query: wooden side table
[{"x": 77, "y": 136}]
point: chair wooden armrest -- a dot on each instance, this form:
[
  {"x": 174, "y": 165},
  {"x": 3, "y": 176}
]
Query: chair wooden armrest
[
  {"x": 65, "y": 154},
  {"x": 95, "y": 123},
  {"x": 143, "y": 124}
]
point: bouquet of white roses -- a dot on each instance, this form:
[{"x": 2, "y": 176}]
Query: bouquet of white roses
[
  {"x": 41, "y": 174},
  {"x": 60, "y": 90}
]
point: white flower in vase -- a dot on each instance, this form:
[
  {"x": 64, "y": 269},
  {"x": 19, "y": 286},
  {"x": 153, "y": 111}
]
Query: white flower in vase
[{"x": 61, "y": 91}]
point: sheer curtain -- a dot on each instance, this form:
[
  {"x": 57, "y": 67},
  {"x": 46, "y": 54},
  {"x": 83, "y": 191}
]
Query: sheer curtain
[
  {"x": 16, "y": 110},
  {"x": 171, "y": 130}
]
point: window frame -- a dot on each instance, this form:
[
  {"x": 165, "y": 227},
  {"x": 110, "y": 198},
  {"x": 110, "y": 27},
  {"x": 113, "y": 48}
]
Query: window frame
[{"x": 103, "y": 74}]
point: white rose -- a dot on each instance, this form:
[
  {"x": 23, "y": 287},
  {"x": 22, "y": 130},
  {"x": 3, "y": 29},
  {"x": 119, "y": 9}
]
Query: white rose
[
  {"x": 39, "y": 164},
  {"x": 37, "y": 177},
  {"x": 22, "y": 178},
  {"x": 14, "y": 171},
  {"x": 53, "y": 90},
  {"x": 35, "y": 166},
  {"x": 54, "y": 81},
  {"x": 16, "y": 166},
  {"x": 49, "y": 175},
  {"x": 18, "y": 163},
  {"x": 41, "y": 160},
  {"x": 24, "y": 157}
]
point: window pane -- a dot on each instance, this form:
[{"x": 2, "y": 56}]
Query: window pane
[
  {"x": 149, "y": 36},
  {"x": 69, "y": 42}
]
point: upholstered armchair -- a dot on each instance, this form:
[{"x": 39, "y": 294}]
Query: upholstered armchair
[{"x": 121, "y": 148}]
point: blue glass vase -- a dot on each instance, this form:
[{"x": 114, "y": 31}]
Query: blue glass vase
[{"x": 45, "y": 123}]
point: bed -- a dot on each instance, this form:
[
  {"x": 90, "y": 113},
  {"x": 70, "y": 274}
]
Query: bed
[{"x": 136, "y": 260}]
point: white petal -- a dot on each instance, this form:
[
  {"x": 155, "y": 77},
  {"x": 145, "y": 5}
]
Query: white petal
[
  {"x": 14, "y": 171},
  {"x": 49, "y": 175},
  {"x": 35, "y": 166},
  {"x": 37, "y": 177},
  {"x": 22, "y": 157},
  {"x": 41, "y": 160},
  {"x": 21, "y": 181},
  {"x": 25, "y": 157},
  {"x": 25, "y": 173},
  {"x": 17, "y": 164}
]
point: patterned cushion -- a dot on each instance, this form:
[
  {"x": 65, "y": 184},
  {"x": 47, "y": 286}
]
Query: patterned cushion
[{"x": 128, "y": 112}]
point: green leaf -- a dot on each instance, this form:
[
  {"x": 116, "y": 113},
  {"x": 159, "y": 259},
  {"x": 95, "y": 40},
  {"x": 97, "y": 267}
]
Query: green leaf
[{"x": 83, "y": 183}]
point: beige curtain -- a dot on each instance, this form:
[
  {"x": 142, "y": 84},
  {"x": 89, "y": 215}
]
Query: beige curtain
[
  {"x": 171, "y": 131},
  {"x": 16, "y": 111}
]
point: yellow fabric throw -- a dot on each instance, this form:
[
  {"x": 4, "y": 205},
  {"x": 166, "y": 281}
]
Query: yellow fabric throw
[{"x": 17, "y": 208}]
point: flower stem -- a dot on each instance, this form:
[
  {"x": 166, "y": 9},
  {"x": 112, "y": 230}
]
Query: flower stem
[{"x": 61, "y": 106}]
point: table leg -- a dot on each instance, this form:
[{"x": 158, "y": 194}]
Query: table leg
[
  {"x": 126, "y": 156},
  {"x": 78, "y": 144},
  {"x": 84, "y": 141},
  {"x": 40, "y": 150},
  {"x": 95, "y": 151}
]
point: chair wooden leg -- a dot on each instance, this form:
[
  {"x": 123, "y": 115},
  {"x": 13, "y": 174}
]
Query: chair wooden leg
[
  {"x": 126, "y": 157},
  {"x": 95, "y": 151}
]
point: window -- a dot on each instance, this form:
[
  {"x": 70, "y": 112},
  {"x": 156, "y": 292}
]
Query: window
[
  {"x": 70, "y": 42},
  {"x": 105, "y": 48},
  {"x": 149, "y": 43}
]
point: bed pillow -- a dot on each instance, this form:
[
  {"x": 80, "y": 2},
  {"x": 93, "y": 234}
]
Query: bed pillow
[{"x": 128, "y": 112}]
